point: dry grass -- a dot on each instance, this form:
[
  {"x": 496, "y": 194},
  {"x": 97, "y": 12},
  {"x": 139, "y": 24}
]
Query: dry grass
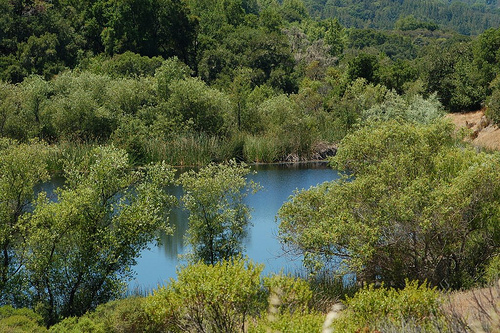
[
  {"x": 482, "y": 134},
  {"x": 476, "y": 310}
]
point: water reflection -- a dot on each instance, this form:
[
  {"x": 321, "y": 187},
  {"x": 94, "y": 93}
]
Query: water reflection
[{"x": 173, "y": 245}]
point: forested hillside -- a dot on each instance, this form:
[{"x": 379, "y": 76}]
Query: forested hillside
[
  {"x": 232, "y": 82},
  {"x": 110, "y": 94},
  {"x": 463, "y": 16}
]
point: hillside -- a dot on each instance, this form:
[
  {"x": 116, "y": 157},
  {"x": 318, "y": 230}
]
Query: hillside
[
  {"x": 483, "y": 134},
  {"x": 465, "y": 17}
]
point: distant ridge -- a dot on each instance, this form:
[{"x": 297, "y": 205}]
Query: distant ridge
[{"x": 468, "y": 17}]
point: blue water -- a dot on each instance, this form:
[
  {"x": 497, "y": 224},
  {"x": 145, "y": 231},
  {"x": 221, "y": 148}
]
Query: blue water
[{"x": 158, "y": 264}]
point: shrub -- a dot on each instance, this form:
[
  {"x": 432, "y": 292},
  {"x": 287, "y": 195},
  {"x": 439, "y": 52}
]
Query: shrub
[
  {"x": 77, "y": 325},
  {"x": 120, "y": 316},
  {"x": 371, "y": 308},
  {"x": 127, "y": 64},
  {"x": 493, "y": 109},
  {"x": 288, "y": 308},
  {"x": 492, "y": 270},
  {"x": 290, "y": 323},
  {"x": 208, "y": 298},
  {"x": 294, "y": 293},
  {"x": 20, "y": 320}
]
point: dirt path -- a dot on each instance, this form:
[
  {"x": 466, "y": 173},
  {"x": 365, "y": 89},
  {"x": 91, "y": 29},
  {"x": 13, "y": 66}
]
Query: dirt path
[{"x": 483, "y": 134}]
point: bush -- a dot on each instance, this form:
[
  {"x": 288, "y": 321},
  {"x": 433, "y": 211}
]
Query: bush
[
  {"x": 121, "y": 316},
  {"x": 290, "y": 323},
  {"x": 493, "y": 109},
  {"x": 294, "y": 294},
  {"x": 77, "y": 325},
  {"x": 20, "y": 320},
  {"x": 127, "y": 64},
  {"x": 208, "y": 298},
  {"x": 371, "y": 308},
  {"x": 492, "y": 270},
  {"x": 415, "y": 109}
]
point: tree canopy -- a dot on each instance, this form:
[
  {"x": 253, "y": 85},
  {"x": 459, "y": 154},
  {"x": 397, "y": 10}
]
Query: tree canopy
[
  {"x": 413, "y": 204},
  {"x": 218, "y": 217},
  {"x": 65, "y": 257}
]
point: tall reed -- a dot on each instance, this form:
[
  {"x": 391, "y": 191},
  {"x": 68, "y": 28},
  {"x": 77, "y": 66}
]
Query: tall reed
[
  {"x": 261, "y": 149},
  {"x": 66, "y": 151},
  {"x": 189, "y": 150}
]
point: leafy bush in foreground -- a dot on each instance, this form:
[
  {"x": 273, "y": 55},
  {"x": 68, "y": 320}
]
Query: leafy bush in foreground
[
  {"x": 371, "y": 308},
  {"x": 208, "y": 298},
  {"x": 120, "y": 316},
  {"x": 20, "y": 320}
]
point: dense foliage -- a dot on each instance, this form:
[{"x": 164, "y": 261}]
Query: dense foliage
[
  {"x": 63, "y": 257},
  {"x": 208, "y": 298},
  {"x": 413, "y": 205},
  {"x": 109, "y": 93},
  {"x": 390, "y": 310},
  {"x": 464, "y": 16},
  {"x": 218, "y": 216},
  {"x": 121, "y": 71}
]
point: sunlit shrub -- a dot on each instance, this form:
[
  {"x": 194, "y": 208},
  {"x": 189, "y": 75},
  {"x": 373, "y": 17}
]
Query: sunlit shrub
[
  {"x": 20, "y": 320},
  {"x": 371, "y": 308},
  {"x": 294, "y": 294},
  {"x": 208, "y": 298},
  {"x": 121, "y": 316},
  {"x": 289, "y": 323}
]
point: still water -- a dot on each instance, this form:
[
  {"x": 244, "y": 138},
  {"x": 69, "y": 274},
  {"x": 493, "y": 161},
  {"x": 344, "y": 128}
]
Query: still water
[{"x": 158, "y": 264}]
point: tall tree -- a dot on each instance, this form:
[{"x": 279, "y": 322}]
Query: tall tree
[
  {"x": 22, "y": 166},
  {"x": 413, "y": 206},
  {"x": 151, "y": 28},
  {"x": 218, "y": 217},
  {"x": 82, "y": 246}
]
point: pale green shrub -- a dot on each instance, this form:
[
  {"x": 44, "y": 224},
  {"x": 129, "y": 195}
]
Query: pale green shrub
[
  {"x": 208, "y": 298},
  {"x": 372, "y": 308}
]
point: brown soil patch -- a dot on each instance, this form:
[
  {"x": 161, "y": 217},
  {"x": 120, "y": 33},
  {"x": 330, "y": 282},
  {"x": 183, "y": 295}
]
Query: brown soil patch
[{"x": 482, "y": 134}]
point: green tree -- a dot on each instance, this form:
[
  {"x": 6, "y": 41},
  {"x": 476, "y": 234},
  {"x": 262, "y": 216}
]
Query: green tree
[
  {"x": 157, "y": 27},
  {"x": 218, "y": 217},
  {"x": 22, "y": 166},
  {"x": 288, "y": 125},
  {"x": 413, "y": 206},
  {"x": 449, "y": 69},
  {"x": 364, "y": 66},
  {"x": 410, "y": 22},
  {"x": 397, "y": 75},
  {"x": 21, "y": 109},
  {"x": 240, "y": 89},
  {"x": 335, "y": 37},
  {"x": 486, "y": 54},
  {"x": 75, "y": 111},
  {"x": 127, "y": 64},
  {"x": 170, "y": 70},
  {"x": 39, "y": 55},
  {"x": 198, "y": 107},
  {"x": 81, "y": 247},
  {"x": 493, "y": 106},
  {"x": 294, "y": 11}
]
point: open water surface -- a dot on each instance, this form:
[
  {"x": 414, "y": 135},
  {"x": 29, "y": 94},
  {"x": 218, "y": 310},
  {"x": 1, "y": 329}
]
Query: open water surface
[{"x": 158, "y": 264}]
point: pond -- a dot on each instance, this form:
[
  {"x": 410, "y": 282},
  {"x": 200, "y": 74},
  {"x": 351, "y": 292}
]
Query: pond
[{"x": 158, "y": 264}]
